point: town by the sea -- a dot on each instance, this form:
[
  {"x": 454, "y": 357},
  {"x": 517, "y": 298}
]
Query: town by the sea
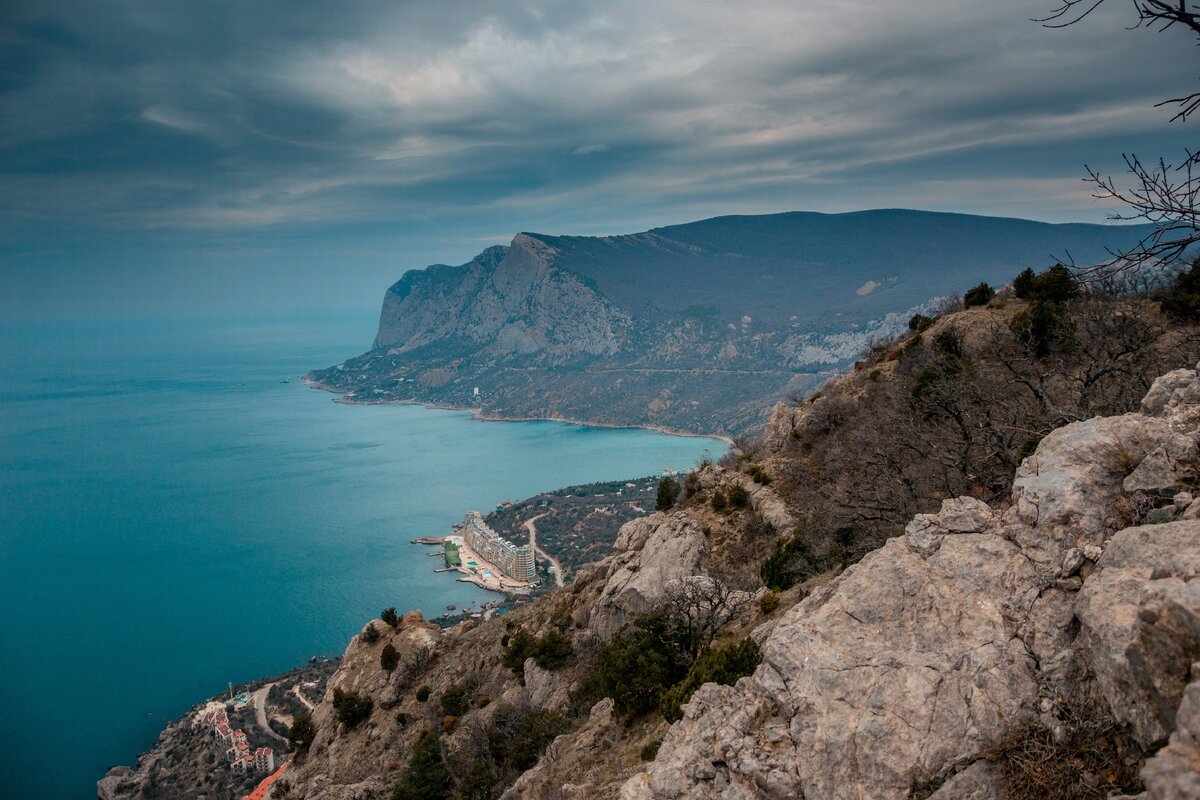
[{"x": 179, "y": 511}]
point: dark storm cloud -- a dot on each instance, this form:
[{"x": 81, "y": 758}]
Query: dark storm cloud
[{"x": 471, "y": 120}]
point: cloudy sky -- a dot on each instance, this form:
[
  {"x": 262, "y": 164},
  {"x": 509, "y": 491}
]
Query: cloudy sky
[{"x": 175, "y": 156}]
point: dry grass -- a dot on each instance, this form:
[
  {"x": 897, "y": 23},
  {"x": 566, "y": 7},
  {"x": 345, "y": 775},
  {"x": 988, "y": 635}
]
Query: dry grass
[{"x": 1092, "y": 758}]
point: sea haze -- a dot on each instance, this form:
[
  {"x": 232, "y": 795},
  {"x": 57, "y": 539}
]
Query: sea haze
[{"x": 174, "y": 516}]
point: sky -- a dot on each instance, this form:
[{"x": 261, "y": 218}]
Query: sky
[{"x": 173, "y": 157}]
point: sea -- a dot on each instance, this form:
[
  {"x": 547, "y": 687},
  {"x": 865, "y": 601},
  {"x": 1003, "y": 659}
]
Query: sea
[{"x": 178, "y": 510}]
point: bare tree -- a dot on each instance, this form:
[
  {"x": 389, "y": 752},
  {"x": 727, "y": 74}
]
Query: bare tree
[
  {"x": 703, "y": 604},
  {"x": 1162, "y": 193}
]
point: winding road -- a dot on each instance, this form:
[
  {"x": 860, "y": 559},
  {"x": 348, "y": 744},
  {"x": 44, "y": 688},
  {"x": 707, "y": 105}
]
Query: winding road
[
  {"x": 260, "y": 712},
  {"x": 555, "y": 567}
]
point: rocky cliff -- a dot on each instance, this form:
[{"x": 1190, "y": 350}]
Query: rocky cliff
[
  {"x": 696, "y": 327},
  {"x": 920, "y": 671}
]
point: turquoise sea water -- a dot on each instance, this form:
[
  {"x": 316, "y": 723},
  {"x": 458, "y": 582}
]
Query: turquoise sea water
[{"x": 173, "y": 516}]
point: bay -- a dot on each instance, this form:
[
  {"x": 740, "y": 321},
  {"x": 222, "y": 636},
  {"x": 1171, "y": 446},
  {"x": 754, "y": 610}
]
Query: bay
[{"x": 174, "y": 515}]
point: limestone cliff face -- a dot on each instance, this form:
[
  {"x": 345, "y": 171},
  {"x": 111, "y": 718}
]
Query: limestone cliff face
[
  {"x": 509, "y": 300},
  {"x": 908, "y": 667}
]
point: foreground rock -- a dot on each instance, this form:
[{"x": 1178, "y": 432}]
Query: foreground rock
[{"x": 911, "y": 667}]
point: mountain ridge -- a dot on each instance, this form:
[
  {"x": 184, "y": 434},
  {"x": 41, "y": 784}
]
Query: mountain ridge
[{"x": 696, "y": 327}]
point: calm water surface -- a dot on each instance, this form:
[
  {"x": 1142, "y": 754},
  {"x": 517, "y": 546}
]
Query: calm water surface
[{"x": 173, "y": 516}]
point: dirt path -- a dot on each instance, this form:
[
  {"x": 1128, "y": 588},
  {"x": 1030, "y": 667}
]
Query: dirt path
[
  {"x": 555, "y": 567},
  {"x": 300, "y": 696}
]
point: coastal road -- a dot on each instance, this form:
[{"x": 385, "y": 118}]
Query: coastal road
[
  {"x": 555, "y": 567},
  {"x": 260, "y": 712}
]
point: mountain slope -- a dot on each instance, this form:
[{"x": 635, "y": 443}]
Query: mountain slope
[{"x": 695, "y": 327}]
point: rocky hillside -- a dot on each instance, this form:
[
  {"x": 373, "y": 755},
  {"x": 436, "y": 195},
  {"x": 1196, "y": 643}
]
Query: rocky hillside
[
  {"x": 1033, "y": 633},
  {"x": 697, "y": 327}
]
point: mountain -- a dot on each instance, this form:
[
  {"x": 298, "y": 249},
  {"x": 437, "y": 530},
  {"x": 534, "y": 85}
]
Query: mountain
[{"x": 695, "y": 327}]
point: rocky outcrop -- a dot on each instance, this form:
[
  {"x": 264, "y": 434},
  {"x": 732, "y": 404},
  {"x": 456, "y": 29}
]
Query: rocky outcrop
[
  {"x": 651, "y": 552},
  {"x": 909, "y": 667}
]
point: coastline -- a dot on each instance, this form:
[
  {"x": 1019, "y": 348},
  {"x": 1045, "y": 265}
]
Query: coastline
[{"x": 478, "y": 413}]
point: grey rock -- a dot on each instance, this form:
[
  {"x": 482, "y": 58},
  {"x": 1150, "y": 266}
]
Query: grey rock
[
  {"x": 1140, "y": 623},
  {"x": 652, "y": 552},
  {"x": 1174, "y": 772},
  {"x": 1155, "y": 472},
  {"x": 1072, "y": 561},
  {"x": 976, "y": 782}
]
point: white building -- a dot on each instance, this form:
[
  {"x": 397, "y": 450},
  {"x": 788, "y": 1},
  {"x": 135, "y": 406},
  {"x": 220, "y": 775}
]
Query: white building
[{"x": 515, "y": 562}]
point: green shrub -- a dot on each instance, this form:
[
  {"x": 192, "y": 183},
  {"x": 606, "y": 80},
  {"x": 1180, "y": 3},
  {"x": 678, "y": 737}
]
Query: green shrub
[
  {"x": 640, "y": 662},
  {"x": 738, "y": 496},
  {"x": 718, "y": 501},
  {"x": 780, "y": 571},
  {"x": 768, "y": 602},
  {"x": 919, "y": 322},
  {"x": 650, "y": 751},
  {"x": 455, "y": 701},
  {"x": 1182, "y": 300},
  {"x": 302, "y": 732},
  {"x": 422, "y": 694},
  {"x": 875, "y": 373},
  {"x": 668, "y": 491},
  {"x": 351, "y": 708},
  {"x": 759, "y": 475},
  {"x": 723, "y": 664},
  {"x": 1055, "y": 285},
  {"x": 980, "y": 295},
  {"x": 370, "y": 634},
  {"x": 552, "y": 650},
  {"x": 401, "y": 720},
  {"x": 390, "y": 617},
  {"x": 389, "y": 658},
  {"x": 1043, "y": 328},
  {"x": 425, "y": 777},
  {"x": 519, "y": 647}
]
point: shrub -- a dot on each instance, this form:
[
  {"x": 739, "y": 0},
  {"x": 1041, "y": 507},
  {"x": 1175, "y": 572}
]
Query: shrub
[
  {"x": 401, "y": 720},
  {"x": 552, "y": 650},
  {"x": 668, "y": 491},
  {"x": 1182, "y": 300},
  {"x": 980, "y": 295},
  {"x": 351, "y": 708},
  {"x": 919, "y": 322},
  {"x": 759, "y": 475},
  {"x": 768, "y": 602},
  {"x": 738, "y": 496},
  {"x": 425, "y": 777},
  {"x": 650, "y": 750},
  {"x": 370, "y": 634},
  {"x": 1092, "y": 757},
  {"x": 455, "y": 701},
  {"x": 389, "y": 658},
  {"x": 519, "y": 647},
  {"x": 1042, "y": 328},
  {"x": 533, "y": 736},
  {"x": 780, "y": 571},
  {"x": 302, "y": 732},
  {"x": 718, "y": 501},
  {"x": 724, "y": 665},
  {"x": 640, "y": 662},
  {"x": 390, "y": 617},
  {"x": 1055, "y": 285},
  {"x": 422, "y": 694}
]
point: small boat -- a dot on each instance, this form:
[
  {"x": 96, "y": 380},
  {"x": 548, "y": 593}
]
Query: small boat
[
  {"x": 451, "y": 607},
  {"x": 286, "y": 380}
]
